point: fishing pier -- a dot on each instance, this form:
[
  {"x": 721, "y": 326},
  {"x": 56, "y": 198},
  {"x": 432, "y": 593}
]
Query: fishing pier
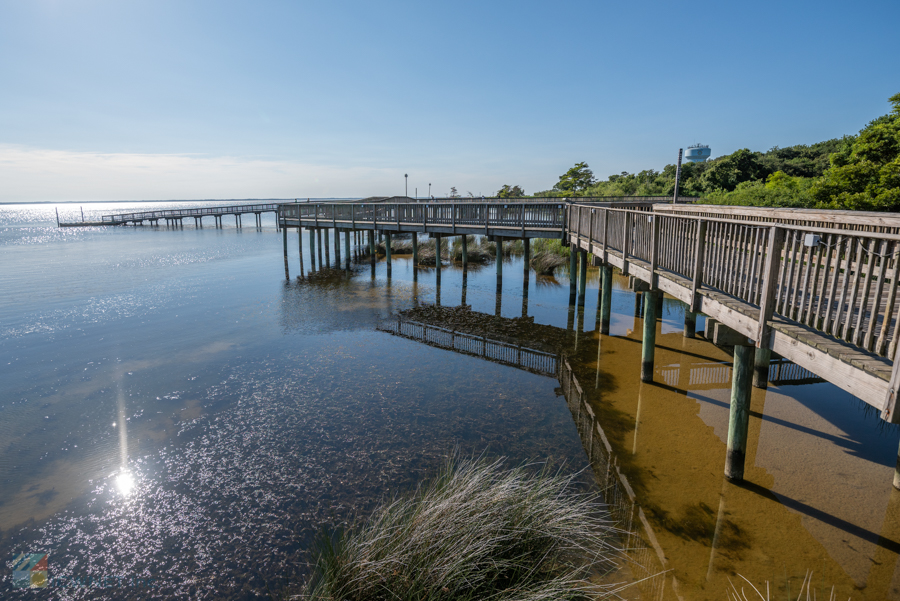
[
  {"x": 175, "y": 217},
  {"x": 817, "y": 288}
]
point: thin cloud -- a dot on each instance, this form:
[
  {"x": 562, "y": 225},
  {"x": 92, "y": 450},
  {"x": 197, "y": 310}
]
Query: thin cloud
[{"x": 35, "y": 174}]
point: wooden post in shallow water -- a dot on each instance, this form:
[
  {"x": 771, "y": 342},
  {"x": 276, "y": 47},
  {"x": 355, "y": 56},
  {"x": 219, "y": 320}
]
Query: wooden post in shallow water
[
  {"x": 347, "y": 235},
  {"x": 739, "y": 414},
  {"x": 327, "y": 252},
  {"x": 415, "y": 244},
  {"x": 319, "y": 240},
  {"x": 465, "y": 251},
  {"x": 287, "y": 275},
  {"x": 312, "y": 248},
  {"x": 498, "y": 243},
  {"x": 761, "y": 360},
  {"x": 573, "y": 257},
  {"x": 582, "y": 277},
  {"x": 387, "y": 252},
  {"x": 526, "y": 247},
  {"x": 690, "y": 323},
  {"x": 300, "y": 246},
  {"x": 437, "y": 257},
  {"x": 648, "y": 347},
  {"x": 605, "y": 298}
]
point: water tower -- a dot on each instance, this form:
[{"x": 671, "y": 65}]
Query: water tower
[{"x": 698, "y": 153}]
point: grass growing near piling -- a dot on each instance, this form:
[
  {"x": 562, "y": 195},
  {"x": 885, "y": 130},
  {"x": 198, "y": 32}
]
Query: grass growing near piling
[
  {"x": 548, "y": 255},
  {"x": 476, "y": 531}
]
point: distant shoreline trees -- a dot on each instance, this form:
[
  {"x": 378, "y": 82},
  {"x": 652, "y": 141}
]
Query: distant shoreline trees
[{"x": 860, "y": 172}]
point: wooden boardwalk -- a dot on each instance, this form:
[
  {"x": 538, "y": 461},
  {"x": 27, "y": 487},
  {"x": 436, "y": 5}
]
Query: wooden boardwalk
[
  {"x": 828, "y": 303},
  {"x": 818, "y": 288},
  {"x": 177, "y": 216}
]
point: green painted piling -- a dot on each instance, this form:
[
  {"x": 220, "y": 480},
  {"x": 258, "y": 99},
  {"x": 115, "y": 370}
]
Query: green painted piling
[
  {"x": 761, "y": 359},
  {"x": 648, "y": 347},
  {"x": 739, "y": 414},
  {"x": 606, "y": 299}
]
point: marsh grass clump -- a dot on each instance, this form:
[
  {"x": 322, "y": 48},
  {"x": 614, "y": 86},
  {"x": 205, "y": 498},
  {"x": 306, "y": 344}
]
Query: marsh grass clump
[
  {"x": 427, "y": 249},
  {"x": 398, "y": 247},
  {"x": 475, "y": 253},
  {"x": 548, "y": 255},
  {"x": 476, "y": 531}
]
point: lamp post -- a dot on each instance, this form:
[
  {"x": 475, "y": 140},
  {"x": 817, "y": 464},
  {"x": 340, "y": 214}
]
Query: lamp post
[
  {"x": 429, "y": 190},
  {"x": 406, "y": 184}
]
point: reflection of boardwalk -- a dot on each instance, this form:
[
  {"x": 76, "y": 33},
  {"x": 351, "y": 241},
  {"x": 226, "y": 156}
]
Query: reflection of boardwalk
[
  {"x": 718, "y": 375},
  {"x": 513, "y": 355}
]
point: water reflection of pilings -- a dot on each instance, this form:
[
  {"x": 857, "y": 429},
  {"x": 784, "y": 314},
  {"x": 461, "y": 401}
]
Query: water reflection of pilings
[
  {"x": 649, "y": 563},
  {"x": 496, "y": 351}
]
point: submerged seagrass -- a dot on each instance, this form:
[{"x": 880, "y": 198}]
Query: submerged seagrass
[{"x": 476, "y": 531}]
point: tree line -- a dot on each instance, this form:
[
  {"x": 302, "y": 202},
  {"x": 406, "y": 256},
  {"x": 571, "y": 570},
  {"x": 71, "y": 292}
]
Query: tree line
[{"x": 859, "y": 172}]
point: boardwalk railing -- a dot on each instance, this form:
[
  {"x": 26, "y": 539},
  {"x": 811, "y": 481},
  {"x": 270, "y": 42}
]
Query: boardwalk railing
[
  {"x": 829, "y": 285},
  {"x": 512, "y": 218},
  {"x": 181, "y": 213}
]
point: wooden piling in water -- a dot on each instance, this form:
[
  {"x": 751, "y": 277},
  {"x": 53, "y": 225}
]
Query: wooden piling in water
[
  {"x": 347, "y": 235},
  {"x": 327, "y": 251},
  {"x": 526, "y": 247},
  {"x": 287, "y": 274},
  {"x": 582, "y": 277},
  {"x": 573, "y": 258},
  {"x": 605, "y": 298},
  {"x": 387, "y": 252},
  {"x": 300, "y": 246},
  {"x": 690, "y": 324},
  {"x": 498, "y": 243},
  {"x": 739, "y": 414},
  {"x": 465, "y": 251},
  {"x": 437, "y": 256},
  {"x": 415, "y": 249},
  {"x": 319, "y": 240},
  {"x": 312, "y": 249},
  {"x": 761, "y": 359},
  {"x": 648, "y": 346}
]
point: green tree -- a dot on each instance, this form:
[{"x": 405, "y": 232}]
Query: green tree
[
  {"x": 574, "y": 181},
  {"x": 729, "y": 171},
  {"x": 865, "y": 174},
  {"x": 508, "y": 191}
]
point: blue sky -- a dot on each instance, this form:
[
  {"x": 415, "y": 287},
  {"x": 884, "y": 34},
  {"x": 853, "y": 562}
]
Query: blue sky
[{"x": 182, "y": 99}]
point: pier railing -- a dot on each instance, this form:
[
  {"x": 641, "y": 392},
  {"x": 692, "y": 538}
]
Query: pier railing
[
  {"x": 834, "y": 273},
  {"x": 181, "y": 213},
  {"x": 509, "y": 215}
]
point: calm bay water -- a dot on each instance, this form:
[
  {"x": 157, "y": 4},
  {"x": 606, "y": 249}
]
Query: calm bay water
[{"x": 173, "y": 409}]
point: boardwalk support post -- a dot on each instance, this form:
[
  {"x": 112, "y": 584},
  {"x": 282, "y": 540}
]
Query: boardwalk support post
[
  {"x": 347, "y": 235},
  {"x": 312, "y": 248},
  {"x": 606, "y": 298},
  {"x": 582, "y": 276},
  {"x": 648, "y": 347},
  {"x": 465, "y": 251},
  {"x": 287, "y": 275},
  {"x": 415, "y": 245},
  {"x": 526, "y": 247},
  {"x": 761, "y": 361},
  {"x": 739, "y": 414},
  {"x": 690, "y": 323},
  {"x": 573, "y": 258},
  {"x": 387, "y": 252},
  {"x": 437, "y": 256},
  {"x": 498, "y": 243}
]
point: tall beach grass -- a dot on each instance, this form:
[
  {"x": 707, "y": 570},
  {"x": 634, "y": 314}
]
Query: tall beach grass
[{"x": 476, "y": 531}]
